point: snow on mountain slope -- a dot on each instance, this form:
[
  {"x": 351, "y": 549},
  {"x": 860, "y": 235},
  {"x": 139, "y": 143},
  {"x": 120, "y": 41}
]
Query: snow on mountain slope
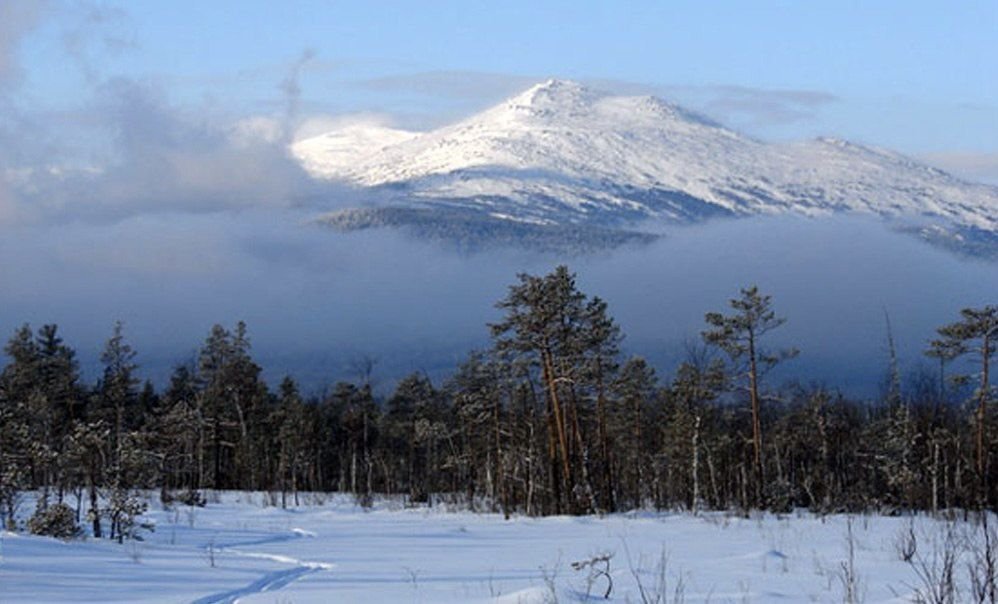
[
  {"x": 560, "y": 153},
  {"x": 330, "y": 155}
]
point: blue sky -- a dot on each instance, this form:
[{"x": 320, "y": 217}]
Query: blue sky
[{"x": 916, "y": 76}]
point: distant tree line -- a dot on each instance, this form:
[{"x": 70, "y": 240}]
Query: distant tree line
[{"x": 549, "y": 420}]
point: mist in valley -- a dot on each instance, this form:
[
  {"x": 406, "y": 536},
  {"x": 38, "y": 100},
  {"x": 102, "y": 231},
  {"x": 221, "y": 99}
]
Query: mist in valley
[{"x": 320, "y": 304}]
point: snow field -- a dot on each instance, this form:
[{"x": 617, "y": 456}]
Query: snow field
[{"x": 240, "y": 550}]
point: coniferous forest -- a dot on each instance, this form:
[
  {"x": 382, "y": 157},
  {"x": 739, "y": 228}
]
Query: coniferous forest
[{"x": 550, "y": 419}]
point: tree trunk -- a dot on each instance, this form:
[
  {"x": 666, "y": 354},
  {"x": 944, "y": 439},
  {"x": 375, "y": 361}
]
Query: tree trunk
[
  {"x": 982, "y": 413},
  {"x": 608, "y": 486},
  {"x": 559, "y": 419},
  {"x": 94, "y": 505},
  {"x": 696, "y": 465},
  {"x": 756, "y": 422}
]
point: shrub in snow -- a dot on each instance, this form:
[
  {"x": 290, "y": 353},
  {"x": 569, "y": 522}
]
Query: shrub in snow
[
  {"x": 780, "y": 496},
  {"x": 192, "y": 497},
  {"x": 189, "y": 497},
  {"x": 123, "y": 509},
  {"x": 10, "y": 497},
  {"x": 57, "y": 520}
]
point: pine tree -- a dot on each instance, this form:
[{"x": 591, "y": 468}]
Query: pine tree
[
  {"x": 42, "y": 381},
  {"x": 351, "y": 419},
  {"x": 182, "y": 434},
  {"x": 480, "y": 460},
  {"x": 88, "y": 450},
  {"x": 234, "y": 399},
  {"x": 738, "y": 335},
  {"x": 698, "y": 381},
  {"x": 117, "y": 391},
  {"x": 59, "y": 375},
  {"x": 630, "y": 425},
  {"x": 413, "y": 423},
  {"x": 289, "y": 420},
  {"x": 17, "y": 382},
  {"x": 551, "y": 328},
  {"x": 600, "y": 339},
  {"x": 976, "y": 333}
]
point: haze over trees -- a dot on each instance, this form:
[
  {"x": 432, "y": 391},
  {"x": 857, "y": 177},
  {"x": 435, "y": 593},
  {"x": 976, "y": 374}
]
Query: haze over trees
[{"x": 551, "y": 418}]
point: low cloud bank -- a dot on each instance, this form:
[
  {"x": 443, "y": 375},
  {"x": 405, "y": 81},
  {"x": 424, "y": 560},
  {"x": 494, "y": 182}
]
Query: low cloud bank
[{"x": 318, "y": 301}]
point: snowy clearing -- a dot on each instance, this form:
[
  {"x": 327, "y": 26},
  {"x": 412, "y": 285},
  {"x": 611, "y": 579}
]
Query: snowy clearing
[{"x": 240, "y": 550}]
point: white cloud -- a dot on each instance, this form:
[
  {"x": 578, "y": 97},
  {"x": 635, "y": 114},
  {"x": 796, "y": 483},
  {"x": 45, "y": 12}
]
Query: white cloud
[{"x": 17, "y": 18}]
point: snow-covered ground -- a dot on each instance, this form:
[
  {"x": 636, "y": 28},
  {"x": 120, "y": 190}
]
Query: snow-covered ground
[{"x": 240, "y": 550}]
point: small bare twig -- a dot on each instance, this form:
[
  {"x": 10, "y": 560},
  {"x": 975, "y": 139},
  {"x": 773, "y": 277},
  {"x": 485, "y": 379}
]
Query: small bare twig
[
  {"x": 906, "y": 543},
  {"x": 599, "y": 566},
  {"x": 936, "y": 570},
  {"x": 550, "y": 576},
  {"x": 847, "y": 575},
  {"x": 982, "y": 569}
]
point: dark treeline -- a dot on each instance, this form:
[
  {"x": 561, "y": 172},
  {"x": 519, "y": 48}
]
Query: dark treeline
[{"x": 550, "y": 419}]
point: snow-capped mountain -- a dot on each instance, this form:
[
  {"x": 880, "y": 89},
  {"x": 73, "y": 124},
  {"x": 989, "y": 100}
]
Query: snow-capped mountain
[{"x": 560, "y": 154}]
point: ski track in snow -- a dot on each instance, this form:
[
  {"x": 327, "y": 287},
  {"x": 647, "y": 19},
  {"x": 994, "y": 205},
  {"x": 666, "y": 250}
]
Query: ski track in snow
[{"x": 271, "y": 581}]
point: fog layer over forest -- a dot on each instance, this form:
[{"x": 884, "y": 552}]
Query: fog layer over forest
[{"x": 319, "y": 302}]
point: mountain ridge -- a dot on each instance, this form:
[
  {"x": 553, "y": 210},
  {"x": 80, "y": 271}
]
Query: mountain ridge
[{"x": 561, "y": 154}]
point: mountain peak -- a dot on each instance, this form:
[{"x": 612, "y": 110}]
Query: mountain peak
[
  {"x": 553, "y": 95},
  {"x": 565, "y": 99},
  {"x": 558, "y": 84},
  {"x": 556, "y": 87}
]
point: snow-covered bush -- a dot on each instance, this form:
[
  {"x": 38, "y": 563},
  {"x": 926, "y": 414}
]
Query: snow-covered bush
[
  {"x": 56, "y": 520},
  {"x": 10, "y": 497},
  {"x": 188, "y": 497},
  {"x": 124, "y": 509}
]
